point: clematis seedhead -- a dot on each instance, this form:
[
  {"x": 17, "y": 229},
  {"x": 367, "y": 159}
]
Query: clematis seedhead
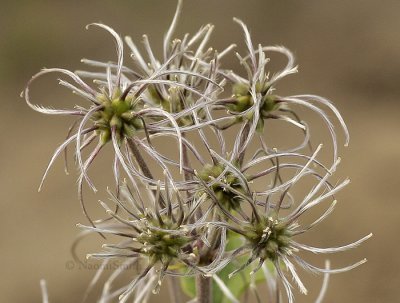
[
  {"x": 224, "y": 202},
  {"x": 268, "y": 238},
  {"x": 117, "y": 113},
  {"x": 225, "y": 190}
]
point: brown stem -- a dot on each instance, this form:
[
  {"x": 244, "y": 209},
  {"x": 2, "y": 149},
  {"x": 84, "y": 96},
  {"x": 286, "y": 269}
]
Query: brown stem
[
  {"x": 204, "y": 286},
  {"x": 204, "y": 289},
  {"x": 175, "y": 290},
  {"x": 142, "y": 163},
  {"x": 243, "y": 138},
  {"x": 186, "y": 174}
]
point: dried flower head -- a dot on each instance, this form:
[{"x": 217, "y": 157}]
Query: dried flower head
[
  {"x": 160, "y": 236},
  {"x": 205, "y": 197},
  {"x": 271, "y": 237},
  {"x": 254, "y": 99}
]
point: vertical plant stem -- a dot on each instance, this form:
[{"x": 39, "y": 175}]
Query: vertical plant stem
[
  {"x": 143, "y": 166},
  {"x": 186, "y": 175},
  {"x": 243, "y": 138},
  {"x": 204, "y": 286},
  {"x": 204, "y": 289},
  {"x": 174, "y": 289}
]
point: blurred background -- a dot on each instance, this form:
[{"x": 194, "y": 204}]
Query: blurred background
[{"x": 347, "y": 51}]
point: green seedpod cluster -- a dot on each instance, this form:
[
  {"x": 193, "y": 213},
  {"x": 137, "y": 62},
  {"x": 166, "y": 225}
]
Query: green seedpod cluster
[
  {"x": 160, "y": 245},
  {"x": 268, "y": 238},
  {"x": 268, "y": 104},
  {"x": 244, "y": 101},
  {"x": 117, "y": 113},
  {"x": 229, "y": 199}
]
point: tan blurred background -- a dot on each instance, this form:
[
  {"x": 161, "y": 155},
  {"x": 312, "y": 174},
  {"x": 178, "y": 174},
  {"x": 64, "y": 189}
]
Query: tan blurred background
[{"x": 348, "y": 51}]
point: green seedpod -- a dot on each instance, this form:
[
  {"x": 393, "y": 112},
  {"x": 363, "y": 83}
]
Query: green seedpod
[
  {"x": 243, "y": 103},
  {"x": 105, "y": 136},
  {"x": 269, "y": 104},
  {"x": 240, "y": 89},
  {"x": 128, "y": 130},
  {"x": 272, "y": 247},
  {"x": 249, "y": 115},
  {"x": 103, "y": 99},
  {"x": 117, "y": 93},
  {"x": 283, "y": 239},
  {"x": 128, "y": 116},
  {"x": 120, "y": 106},
  {"x": 137, "y": 123},
  {"x": 102, "y": 124},
  {"x": 116, "y": 121},
  {"x": 260, "y": 125},
  {"x": 107, "y": 112},
  {"x": 259, "y": 87}
]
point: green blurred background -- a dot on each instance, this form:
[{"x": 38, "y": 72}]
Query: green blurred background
[{"x": 348, "y": 51}]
